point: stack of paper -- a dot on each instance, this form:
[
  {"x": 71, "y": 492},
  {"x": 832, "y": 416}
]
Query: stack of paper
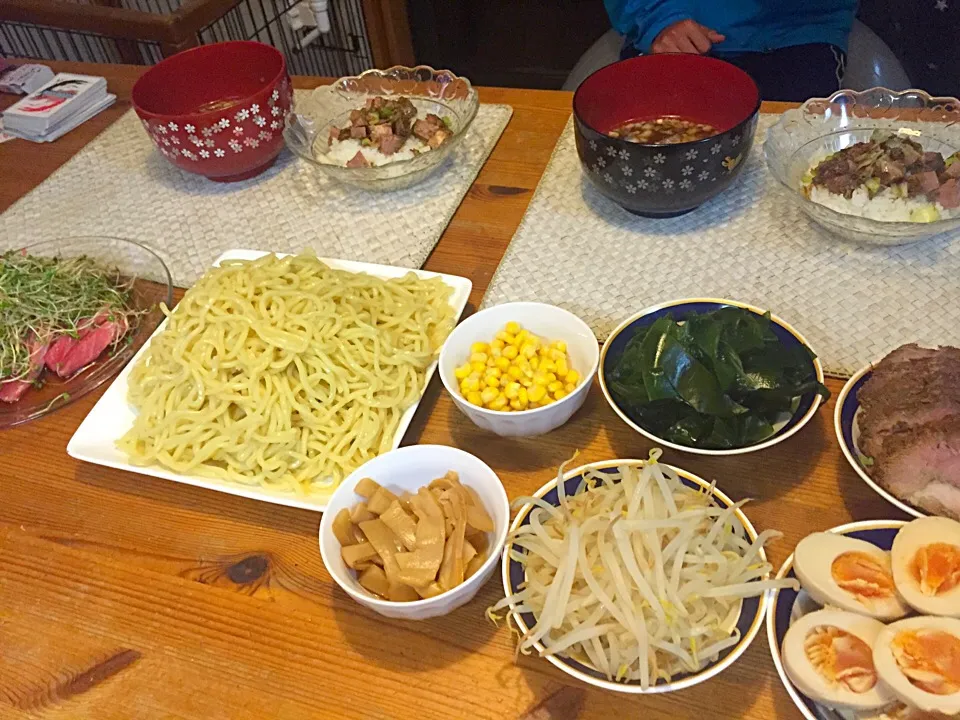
[{"x": 58, "y": 107}]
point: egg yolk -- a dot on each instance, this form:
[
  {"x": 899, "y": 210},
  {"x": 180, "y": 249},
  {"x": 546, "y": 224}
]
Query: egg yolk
[
  {"x": 841, "y": 658},
  {"x": 863, "y": 576},
  {"x": 930, "y": 659},
  {"x": 936, "y": 567}
]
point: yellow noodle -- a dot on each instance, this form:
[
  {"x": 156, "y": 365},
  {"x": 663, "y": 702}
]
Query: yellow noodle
[{"x": 284, "y": 373}]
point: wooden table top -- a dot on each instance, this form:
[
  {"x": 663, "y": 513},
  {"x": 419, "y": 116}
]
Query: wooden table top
[{"x": 123, "y": 596}]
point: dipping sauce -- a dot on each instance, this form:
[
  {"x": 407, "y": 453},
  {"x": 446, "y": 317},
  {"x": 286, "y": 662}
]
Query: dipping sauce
[{"x": 667, "y": 130}]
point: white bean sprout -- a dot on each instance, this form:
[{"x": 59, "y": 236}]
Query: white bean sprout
[{"x": 636, "y": 574}]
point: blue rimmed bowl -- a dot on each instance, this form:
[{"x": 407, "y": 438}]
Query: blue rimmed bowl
[
  {"x": 805, "y": 408},
  {"x": 787, "y": 606},
  {"x": 848, "y": 435},
  {"x": 751, "y": 609}
]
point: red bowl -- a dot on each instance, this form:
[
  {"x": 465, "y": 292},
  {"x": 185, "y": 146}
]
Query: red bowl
[
  {"x": 665, "y": 180},
  {"x": 217, "y": 110}
]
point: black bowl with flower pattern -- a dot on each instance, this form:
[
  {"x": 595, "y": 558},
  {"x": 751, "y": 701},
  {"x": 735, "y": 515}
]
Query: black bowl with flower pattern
[{"x": 665, "y": 180}]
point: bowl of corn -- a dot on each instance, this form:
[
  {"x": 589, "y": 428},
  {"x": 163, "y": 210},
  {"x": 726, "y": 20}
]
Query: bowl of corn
[{"x": 520, "y": 369}]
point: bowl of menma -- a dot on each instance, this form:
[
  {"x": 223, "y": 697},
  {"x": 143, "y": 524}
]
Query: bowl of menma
[{"x": 878, "y": 167}]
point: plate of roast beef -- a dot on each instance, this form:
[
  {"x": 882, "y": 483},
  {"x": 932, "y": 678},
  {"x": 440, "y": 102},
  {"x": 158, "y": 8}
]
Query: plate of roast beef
[{"x": 898, "y": 423}]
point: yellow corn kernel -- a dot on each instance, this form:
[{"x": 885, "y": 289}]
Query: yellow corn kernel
[
  {"x": 471, "y": 384},
  {"x": 492, "y": 370},
  {"x": 510, "y": 352},
  {"x": 528, "y": 351},
  {"x": 498, "y": 403},
  {"x": 492, "y": 381},
  {"x": 523, "y": 362},
  {"x": 560, "y": 345},
  {"x": 547, "y": 400},
  {"x": 540, "y": 378},
  {"x": 462, "y": 372},
  {"x": 497, "y": 344},
  {"x": 537, "y": 393},
  {"x": 553, "y": 387},
  {"x": 569, "y": 387},
  {"x": 488, "y": 395},
  {"x": 515, "y": 372},
  {"x": 515, "y": 404},
  {"x": 573, "y": 377},
  {"x": 478, "y": 357},
  {"x": 477, "y": 367},
  {"x": 526, "y": 382},
  {"x": 528, "y": 372},
  {"x": 505, "y": 380},
  {"x": 533, "y": 340},
  {"x": 562, "y": 368},
  {"x": 535, "y": 363},
  {"x": 502, "y": 363},
  {"x": 512, "y": 390},
  {"x": 495, "y": 353},
  {"x": 557, "y": 354},
  {"x": 560, "y": 394},
  {"x": 548, "y": 365},
  {"x": 551, "y": 378},
  {"x": 513, "y": 327},
  {"x": 524, "y": 398},
  {"x": 479, "y": 347},
  {"x": 522, "y": 336},
  {"x": 474, "y": 398}
]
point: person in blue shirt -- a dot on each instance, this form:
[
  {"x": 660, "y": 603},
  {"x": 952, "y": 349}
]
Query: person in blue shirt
[{"x": 793, "y": 49}]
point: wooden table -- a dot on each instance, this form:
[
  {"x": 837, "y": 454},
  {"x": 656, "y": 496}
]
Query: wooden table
[{"x": 124, "y": 596}]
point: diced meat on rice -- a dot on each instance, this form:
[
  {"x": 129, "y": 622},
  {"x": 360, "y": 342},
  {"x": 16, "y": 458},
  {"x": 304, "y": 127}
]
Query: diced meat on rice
[{"x": 382, "y": 129}]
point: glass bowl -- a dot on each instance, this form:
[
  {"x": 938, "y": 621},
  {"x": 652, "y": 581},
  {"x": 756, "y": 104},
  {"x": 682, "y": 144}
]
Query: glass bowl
[
  {"x": 431, "y": 91},
  {"x": 152, "y": 285},
  {"x": 821, "y": 126}
]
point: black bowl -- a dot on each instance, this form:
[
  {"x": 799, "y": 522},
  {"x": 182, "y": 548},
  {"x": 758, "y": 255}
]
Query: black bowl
[{"x": 665, "y": 180}]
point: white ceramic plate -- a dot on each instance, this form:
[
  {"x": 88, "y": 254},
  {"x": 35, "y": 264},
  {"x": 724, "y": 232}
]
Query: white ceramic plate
[{"x": 95, "y": 439}]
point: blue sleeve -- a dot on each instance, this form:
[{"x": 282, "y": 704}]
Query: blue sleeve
[{"x": 642, "y": 20}]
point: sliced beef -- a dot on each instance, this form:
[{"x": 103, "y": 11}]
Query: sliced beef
[
  {"x": 423, "y": 130},
  {"x": 358, "y": 160},
  {"x": 921, "y": 465},
  {"x": 390, "y": 145},
  {"x": 358, "y": 131},
  {"x": 907, "y": 354},
  {"x": 12, "y": 390},
  {"x": 927, "y": 181},
  {"x": 953, "y": 171},
  {"x": 90, "y": 347},
  {"x": 379, "y": 132},
  {"x": 949, "y": 194},
  {"x": 933, "y": 162}
]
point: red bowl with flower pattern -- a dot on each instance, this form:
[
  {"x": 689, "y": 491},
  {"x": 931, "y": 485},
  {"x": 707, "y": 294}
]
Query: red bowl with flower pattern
[{"x": 217, "y": 110}]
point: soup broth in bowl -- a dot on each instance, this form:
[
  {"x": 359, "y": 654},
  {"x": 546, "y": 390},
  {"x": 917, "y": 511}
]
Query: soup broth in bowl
[{"x": 668, "y": 130}]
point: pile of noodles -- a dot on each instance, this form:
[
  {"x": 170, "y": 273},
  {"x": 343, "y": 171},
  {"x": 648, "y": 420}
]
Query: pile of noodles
[{"x": 284, "y": 373}]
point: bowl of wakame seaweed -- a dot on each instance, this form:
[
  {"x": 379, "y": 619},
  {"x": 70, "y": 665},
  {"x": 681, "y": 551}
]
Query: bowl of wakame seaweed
[{"x": 711, "y": 376}]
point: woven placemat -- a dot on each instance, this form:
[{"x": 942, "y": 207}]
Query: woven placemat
[
  {"x": 120, "y": 186},
  {"x": 577, "y": 249}
]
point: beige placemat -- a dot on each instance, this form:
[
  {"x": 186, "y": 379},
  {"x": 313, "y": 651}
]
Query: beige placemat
[
  {"x": 119, "y": 185},
  {"x": 576, "y": 249}
]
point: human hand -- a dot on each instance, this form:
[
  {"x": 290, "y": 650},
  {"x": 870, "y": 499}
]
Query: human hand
[{"x": 686, "y": 36}]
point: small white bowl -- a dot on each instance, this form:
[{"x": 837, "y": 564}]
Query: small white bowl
[
  {"x": 410, "y": 468},
  {"x": 549, "y": 323}
]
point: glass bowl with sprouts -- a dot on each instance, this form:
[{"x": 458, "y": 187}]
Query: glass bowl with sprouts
[
  {"x": 72, "y": 313},
  {"x": 635, "y": 576}
]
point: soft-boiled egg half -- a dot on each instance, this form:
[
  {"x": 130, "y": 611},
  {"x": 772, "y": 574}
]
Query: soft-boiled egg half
[
  {"x": 848, "y": 573},
  {"x": 926, "y": 565},
  {"x": 919, "y": 660},
  {"x": 828, "y": 655}
]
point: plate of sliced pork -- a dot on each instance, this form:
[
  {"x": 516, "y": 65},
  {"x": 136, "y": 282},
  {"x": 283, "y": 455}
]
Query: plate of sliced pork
[
  {"x": 898, "y": 423},
  {"x": 72, "y": 313}
]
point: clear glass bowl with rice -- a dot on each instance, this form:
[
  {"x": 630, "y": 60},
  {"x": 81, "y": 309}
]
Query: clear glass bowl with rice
[
  {"x": 879, "y": 208},
  {"x": 445, "y": 106}
]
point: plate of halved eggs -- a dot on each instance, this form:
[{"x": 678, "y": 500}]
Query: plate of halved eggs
[{"x": 874, "y": 631}]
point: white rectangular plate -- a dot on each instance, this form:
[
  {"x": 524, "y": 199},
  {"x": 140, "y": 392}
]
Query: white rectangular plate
[{"x": 95, "y": 439}]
